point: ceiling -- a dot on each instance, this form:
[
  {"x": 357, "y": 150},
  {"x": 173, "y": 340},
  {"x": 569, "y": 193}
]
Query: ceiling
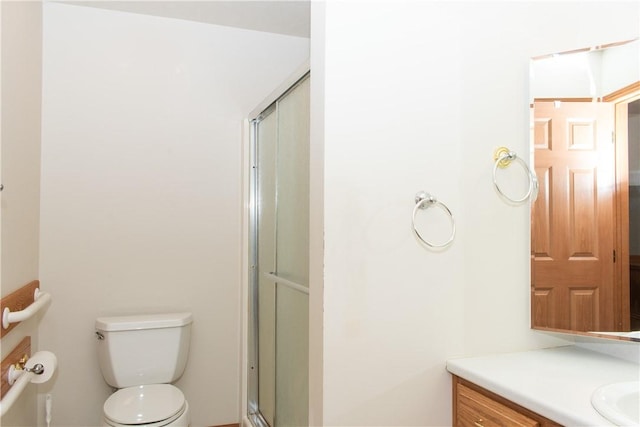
[{"x": 282, "y": 17}]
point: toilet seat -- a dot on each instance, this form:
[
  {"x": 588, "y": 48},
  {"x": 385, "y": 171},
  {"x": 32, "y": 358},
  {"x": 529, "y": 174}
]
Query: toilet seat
[{"x": 152, "y": 405}]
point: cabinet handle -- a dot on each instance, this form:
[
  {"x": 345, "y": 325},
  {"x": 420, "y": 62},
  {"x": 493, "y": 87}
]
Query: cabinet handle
[{"x": 479, "y": 422}]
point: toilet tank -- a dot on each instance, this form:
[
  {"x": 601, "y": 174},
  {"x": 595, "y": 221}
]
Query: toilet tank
[{"x": 143, "y": 349}]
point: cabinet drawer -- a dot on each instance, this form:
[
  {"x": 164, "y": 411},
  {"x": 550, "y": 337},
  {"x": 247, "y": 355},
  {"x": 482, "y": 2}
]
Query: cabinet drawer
[
  {"x": 477, "y": 410},
  {"x": 473, "y": 406}
]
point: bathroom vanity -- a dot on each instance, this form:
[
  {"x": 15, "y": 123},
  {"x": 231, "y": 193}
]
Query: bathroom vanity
[{"x": 546, "y": 388}]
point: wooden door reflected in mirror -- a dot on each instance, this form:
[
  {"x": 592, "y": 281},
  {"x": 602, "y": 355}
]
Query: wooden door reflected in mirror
[{"x": 585, "y": 150}]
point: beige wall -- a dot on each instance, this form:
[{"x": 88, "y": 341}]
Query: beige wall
[
  {"x": 20, "y": 199},
  {"x": 417, "y": 96},
  {"x": 395, "y": 123},
  {"x": 141, "y": 184},
  {"x": 21, "y": 86}
]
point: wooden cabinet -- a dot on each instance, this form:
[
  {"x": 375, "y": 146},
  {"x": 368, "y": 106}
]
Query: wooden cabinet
[{"x": 474, "y": 406}]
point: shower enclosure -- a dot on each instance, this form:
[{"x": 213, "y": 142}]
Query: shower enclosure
[{"x": 279, "y": 276}]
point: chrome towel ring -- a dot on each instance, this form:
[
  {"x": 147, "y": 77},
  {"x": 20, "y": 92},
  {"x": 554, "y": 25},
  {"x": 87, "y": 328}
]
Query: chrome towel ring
[
  {"x": 425, "y": 200},
  {"x": 503, "y": 158}
]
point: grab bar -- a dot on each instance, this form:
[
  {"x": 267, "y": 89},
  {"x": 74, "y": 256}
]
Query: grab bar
[
  {"x": 40, "y": 299},
  {"x": 15, "y": 391},
  {"x": 288, "y": 283},
  {"x": 43, "y": 363}
]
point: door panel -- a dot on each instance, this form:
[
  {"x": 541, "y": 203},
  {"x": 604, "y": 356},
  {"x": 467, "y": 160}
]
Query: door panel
[
  {"x": 292, "y": 382},
  {"x": 278, "y": 389},
  {"x": 293, "y": 185},
  {"x": 573, "y": 229}
]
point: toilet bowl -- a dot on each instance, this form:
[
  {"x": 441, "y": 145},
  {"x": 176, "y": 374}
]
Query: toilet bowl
[
  {"x": 140, "y": 356},
  {"x": 155, "y": 405}
]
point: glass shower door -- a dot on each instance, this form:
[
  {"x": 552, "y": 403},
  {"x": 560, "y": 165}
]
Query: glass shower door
[{"x": 280, "y": 262}]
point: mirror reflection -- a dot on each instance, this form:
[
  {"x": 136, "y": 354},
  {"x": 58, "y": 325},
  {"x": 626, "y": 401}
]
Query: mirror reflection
[{"x": 585, "y": 223}]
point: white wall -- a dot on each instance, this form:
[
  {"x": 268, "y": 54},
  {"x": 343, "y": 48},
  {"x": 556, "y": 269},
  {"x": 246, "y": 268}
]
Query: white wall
[
  {"x": 586, "y": 74},
  {"x": 141, "y": 184},
  {"x": 316, "y": 215},
  {"x": 21, "y": 85},
  {"x": 417, "y": 95},
  {"x": 617, "y": 71}
]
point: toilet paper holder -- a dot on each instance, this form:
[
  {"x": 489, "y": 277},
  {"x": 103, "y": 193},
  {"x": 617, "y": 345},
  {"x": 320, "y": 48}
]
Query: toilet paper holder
[{"x": 20, "y": 367}]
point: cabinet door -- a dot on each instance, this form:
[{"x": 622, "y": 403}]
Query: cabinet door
[
  {"x": 477, "y": 410},
  {"x": 474, "y": 406}
]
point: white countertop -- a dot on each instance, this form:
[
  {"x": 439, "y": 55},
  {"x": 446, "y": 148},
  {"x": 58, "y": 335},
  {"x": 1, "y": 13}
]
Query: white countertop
[{"x": 556, "y": 383}]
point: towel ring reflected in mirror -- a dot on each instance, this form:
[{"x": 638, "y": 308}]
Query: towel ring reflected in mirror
[
  {"x": 503, "y": 158},
  {"x": 425, "y": 200}
]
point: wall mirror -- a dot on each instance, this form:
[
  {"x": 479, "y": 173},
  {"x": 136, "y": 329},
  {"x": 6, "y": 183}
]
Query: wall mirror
[{"x": 585, "y": 222}]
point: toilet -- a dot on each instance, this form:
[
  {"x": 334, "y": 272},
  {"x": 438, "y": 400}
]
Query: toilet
[{"x": 140, "y": 356}]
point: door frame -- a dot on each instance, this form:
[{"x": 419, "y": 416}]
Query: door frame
[{"x": 621, "y": 99}]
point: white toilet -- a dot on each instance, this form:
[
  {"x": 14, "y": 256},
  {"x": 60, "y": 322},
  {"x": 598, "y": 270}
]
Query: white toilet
[{"x": 140, "y": 355}]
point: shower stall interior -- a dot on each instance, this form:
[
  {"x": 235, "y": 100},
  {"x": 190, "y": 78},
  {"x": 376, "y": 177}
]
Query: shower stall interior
[{"x": 279, "y": 262}]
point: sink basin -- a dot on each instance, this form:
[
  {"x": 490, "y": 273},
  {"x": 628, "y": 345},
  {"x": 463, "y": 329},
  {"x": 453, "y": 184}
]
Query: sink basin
[{"x": 619, "y": 402}]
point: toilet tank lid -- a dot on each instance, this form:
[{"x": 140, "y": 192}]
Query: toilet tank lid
[{"x": 143, "y": 321}]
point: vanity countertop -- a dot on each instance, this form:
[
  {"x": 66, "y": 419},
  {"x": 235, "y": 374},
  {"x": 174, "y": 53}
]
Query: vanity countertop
[{"x": 556, "y": 383}]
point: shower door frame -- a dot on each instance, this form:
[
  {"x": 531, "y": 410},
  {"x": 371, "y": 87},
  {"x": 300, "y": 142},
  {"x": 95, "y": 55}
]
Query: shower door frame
[{"x": 253, "y": 407}]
